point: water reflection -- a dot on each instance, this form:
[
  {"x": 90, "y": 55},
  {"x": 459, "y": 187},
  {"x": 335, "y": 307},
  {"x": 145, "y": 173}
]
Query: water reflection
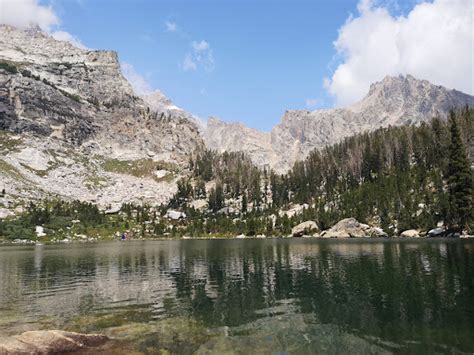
[{"x": 416, "y": 294}]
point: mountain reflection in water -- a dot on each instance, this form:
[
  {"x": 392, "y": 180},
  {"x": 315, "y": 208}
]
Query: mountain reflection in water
[{"x": 395, "y": 295}]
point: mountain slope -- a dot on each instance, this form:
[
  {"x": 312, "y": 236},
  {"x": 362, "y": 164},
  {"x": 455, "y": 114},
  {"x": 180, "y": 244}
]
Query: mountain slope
[
  {"x": 67, "y": 103},
  {"x": 393, "y": 101}
]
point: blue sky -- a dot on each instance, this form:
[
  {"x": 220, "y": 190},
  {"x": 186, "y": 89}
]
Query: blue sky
[
  {"x": 250, "y": 60},
  {"x": 268, "y": 56}
]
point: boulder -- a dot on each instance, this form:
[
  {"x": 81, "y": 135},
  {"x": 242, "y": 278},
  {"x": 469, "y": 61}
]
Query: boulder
[
  {"x": 410, "y": 233},
  {"x": 4, "y": 213},
  {"x": 305, "y": 228},
  {"x": 175, "y": 215},
  {"x": 436, "y": 232},
  {"x": 347, "y": 228},
  {"x": 49, "y": 342},
  {"x": 351, "y": 228},
  {"x": 40, "y": 231},
  {"x": 378, "y": 232},
  {"x": 199, "y": 205}
]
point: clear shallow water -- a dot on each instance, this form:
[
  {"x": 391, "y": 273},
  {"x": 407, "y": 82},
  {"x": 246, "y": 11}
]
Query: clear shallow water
[{"x": 248, "y": 296}]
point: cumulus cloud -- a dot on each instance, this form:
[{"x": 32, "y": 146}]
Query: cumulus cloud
[
  {"x": 434, "y": 41},
  {"x": 171, "y": 26},
  {"x": 139, "y": 84},
  {"x": 201, "y": 55},
  {"x": 29, "y": 13}
]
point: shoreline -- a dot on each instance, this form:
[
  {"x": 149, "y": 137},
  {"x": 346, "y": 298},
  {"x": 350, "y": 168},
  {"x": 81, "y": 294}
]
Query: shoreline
[{"x": 351, "y": 239}]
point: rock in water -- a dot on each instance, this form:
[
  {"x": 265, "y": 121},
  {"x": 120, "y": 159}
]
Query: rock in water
[{"x": 49, "y": 342}]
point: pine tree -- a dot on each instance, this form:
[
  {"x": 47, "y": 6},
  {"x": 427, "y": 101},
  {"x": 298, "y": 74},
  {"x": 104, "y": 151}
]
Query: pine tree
[
  {"x": 244, "y": 202},
  {"x": 460, "y": 182}
]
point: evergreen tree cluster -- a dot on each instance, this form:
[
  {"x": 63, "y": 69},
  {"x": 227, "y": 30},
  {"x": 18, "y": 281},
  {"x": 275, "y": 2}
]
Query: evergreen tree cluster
[
  {"x": 405, "y": 177},
  {"x": 234, "y": 174},
  {"x": 396, "y": 177}
]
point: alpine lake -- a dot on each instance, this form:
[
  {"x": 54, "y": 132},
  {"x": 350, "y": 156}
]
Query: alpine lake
[{"x": 254, "y": 296}]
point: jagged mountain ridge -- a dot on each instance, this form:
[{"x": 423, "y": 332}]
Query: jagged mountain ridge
[
  {"x": 72, "y": 126},
  {"x": 393, "y": 101}
]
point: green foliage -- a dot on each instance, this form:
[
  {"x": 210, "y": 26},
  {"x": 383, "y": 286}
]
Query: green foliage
[
  {"x": 216, "y": 198},
  {"x": 55, "y": 216},
  {"x": 393, "y": 176},
  {"x": 9, "y": 67},
  {"x": 460, "y": 181}
]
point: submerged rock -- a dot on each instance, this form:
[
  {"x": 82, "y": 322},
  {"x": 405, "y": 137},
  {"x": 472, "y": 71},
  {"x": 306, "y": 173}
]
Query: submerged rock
[
  {"x": 50, "y": 342},
  {"x": 288, "y": 334},
  {"x": 178, "y": 335}
]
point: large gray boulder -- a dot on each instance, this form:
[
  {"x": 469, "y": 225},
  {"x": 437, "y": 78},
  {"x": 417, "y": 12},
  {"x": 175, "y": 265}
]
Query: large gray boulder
[
  {"x": 305, "y": 228},
  {"x": 351, "y": 228},
  {"x": 49, "y": 342}
]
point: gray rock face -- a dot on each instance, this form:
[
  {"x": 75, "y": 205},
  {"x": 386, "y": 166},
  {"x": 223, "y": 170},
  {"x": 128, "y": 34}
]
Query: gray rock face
[
  {"x": 397, "y": 100},
  {"x": 71, "y": 125},
  {"x": 53, "y": 89},
  {"x": 308, "y": 227},
  {"x": 351, "y": 228}
]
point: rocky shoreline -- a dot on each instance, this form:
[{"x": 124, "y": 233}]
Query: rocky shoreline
[
  {"x": 348, "y": 228},
  {"x": 52, "y": 342}
]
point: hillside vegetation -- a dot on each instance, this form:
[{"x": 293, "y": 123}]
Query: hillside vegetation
[{"x": 398, "y": 178}]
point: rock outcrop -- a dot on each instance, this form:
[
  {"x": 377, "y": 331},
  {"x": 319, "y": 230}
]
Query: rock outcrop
[
  {"x": 50, "y": 342},
  {"x": 400, "y": 100},
  {"x": 71, "y": 125},
  {"x": 410, "y": 233},
  {"x": 351, "y": 228},
  {"x": 305, "y": 228}
]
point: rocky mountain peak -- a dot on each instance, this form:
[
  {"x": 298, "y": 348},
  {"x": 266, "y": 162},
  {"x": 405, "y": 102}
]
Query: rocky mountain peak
[
  {"x": 395, "y": 100},
  {"x": 69, "y": 102}
]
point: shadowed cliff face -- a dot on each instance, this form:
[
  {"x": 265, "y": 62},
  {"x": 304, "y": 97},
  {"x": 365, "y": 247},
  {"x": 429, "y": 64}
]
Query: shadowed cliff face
[{"x": 393, "y": 101}]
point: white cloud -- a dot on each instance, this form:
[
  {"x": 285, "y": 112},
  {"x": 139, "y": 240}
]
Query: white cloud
[
  {"x": 171, "y": 26},
  {"x": 434, "y": 41},
  {"x": 139, "y": 84},
  {"x": 188, "y": 63},
  {"x": 312, "y": 102},
  {"x": 29, "y": 13},
  {"x": 200, "y": 46},
  {"x": 201, "y": 55}
]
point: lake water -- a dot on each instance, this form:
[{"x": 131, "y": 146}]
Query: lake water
[{"x": 271, "y": 296}]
